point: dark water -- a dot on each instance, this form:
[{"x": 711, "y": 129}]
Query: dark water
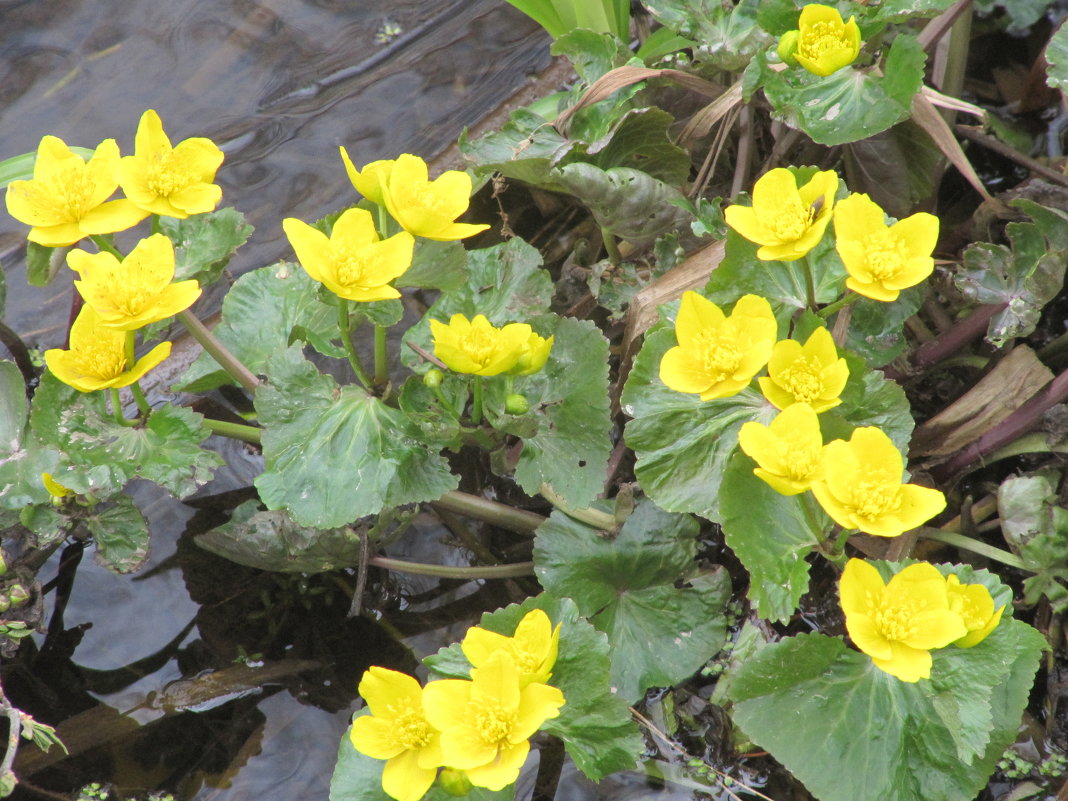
[{"x": 279, "y": 85}]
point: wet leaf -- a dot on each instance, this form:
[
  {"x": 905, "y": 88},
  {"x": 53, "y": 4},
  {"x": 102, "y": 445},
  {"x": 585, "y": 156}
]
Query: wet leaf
[
  {"x": 259, "y": 315},
  {"x": 728, "y": 32},
  {"x": 121, "y": 535},
  {"x": 592, "y": 54},
  {"x": 848, "y": 730},
  {"x": 849, "y": 104},
  {"x": 526, "y": 148},
  {"x": 628, "y": 585},
  {"x": 42, "y": 266},
  {"x": 1037, "y": 529},
  {"x": 594, "y": 723},
  {"x": 877, "y": 329},
  {"x": 204, "y": 243},
  {"x": 682, "y": 444},
  {"x": 640, "y": 140},
  {"x": 870, "y": 399},
  {"x": 771, "y": 534},
  {"x": 335, "y": 454},
  {"x": 23, "y": 457},
  {"x": 436, "y": 265}
]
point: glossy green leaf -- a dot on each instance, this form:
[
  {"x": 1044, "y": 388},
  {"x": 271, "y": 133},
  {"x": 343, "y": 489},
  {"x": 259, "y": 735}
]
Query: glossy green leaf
[
  {"x": 728, "y": 32},
  {"x": 204, "y": 243},
  {"x": 526, "y": 148},
  {"x": 591, "y": 53},
  {"x": 42, "y": 264},
  {"x": 771, "y": 534},
  {"x": 121, "y": 535},
  {"x": 848, "y": 730},
  {"x": 1036, "y": 528},
  {"x": 628, "y": 586},
  {"x": 897, "y": 168},
  {"x": 335, "y": 454},
  {"x": 594, "y": 722},
  {"x": 877, "y": 329},
  {"x": 682, "y": 444},
  {"x": 436, "y": 265},
  {"x": 23, "y": 457},
  {"x": 849, "y": 104},
  {"x": 259, "y": 314},
  {"x": 871, "y": 399},
  {"x": 640, "y": 139}
]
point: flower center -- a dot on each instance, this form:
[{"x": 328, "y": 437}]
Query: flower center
[
  {"x": 895, "y": 622},
  {"x": 801, "y": 462},
  {"x": 350, "y": 265},
  {"x": 820, "y": 38},
  {"x": 718, "y": 353},
  {"x": 885, "y": 255},
  {"x": 479, "y": 344},
  {"x": 71, "y": 192},
  {"x": 100, "y": 358},
  {"x": 168, "y": 173},
  {"x": 876, "y": 495},
  {"x": 492, "y": 721},
  {"x": 410, "y": 728},
  {"x": 802, "y": 379}
]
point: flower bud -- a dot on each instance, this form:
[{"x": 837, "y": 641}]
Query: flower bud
[
  {"x": 5, "y": 602},
  {"x": 433, "y": 377},
  {"x": 454, "y": 782},
  {"x": 18, "y": 594},
  {"x": 516, "y": 404}
]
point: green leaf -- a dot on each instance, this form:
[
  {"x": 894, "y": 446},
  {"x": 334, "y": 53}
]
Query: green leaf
[
  {"x": 14, "y": 410},
  {"x": 591, "y": 53},
  {"x": 259, "y": 315},
  {"x": 335, "y": 454},
  {"x": 23, "y": 457},
  {"x": 526, "y": 149},
  {"x": 378, "y": 312},
  {"x": 121, "y": 535},
  {"x": 728, "y": 32},
  {"x": 1037, "y": 529},
  {"x": 204, "y": 243},
  {"x": 849, "y": 104},
  {"x": 42, "y": 264},
  {"x": 625, "y": 202},
  {"x": 1025, "y": 278},
  {"x": 898, "y": 168},
  {"x": 1057, "y": 56},
  {"x": 436, "y": 265},
  {"x": 569, "y": 399},
  {"x": 594, "y": 722},
  {"x": 627, "y": 585},
  {"x": 877, "y": 329},
  {"x": 504, "y": 282},
  {"x": 848, "y": 730},
  {"x": 641, "y": 140},
  {"x": 1022, "y": 13},
  {"x": 771, "y": 534},
  {"x": 682, "y": 444},
  {"x": 871, "y": 399}
]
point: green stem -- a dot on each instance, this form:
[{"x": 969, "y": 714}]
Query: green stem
[
  {"x": 249, "y": 434},
  {"x": 383, "y": 220},
  {"x": 131, "y": 360},
  {"x": 611, "y": 247},
  {"x": 116, "y": 409},
  {"x": 440, "y": 395},
  {"x": 156, "y": 227},
  {"x": 476, "y": 401},
  {"x": 140, "y": 399},
  {"x": 493, "y": 512},
  {"x": 591, "y": 517},
  {"x": 444, "y": 571},
  {"x": 381, "y": 359},
  {"x": 346, "y": 339},
  {"x": 104, "y": 245},
  {"x": 218, "y": 351},
  {"x": 975, "y": 546},
  {"x": 810, "y": 285},
  {"x": 838, "y": 305}
]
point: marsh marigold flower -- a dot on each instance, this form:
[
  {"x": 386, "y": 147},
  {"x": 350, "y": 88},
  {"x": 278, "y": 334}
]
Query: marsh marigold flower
[
  {"x": 486, "y": 723},
  {"x": 812, "y": 373},
  {"x": 861, "y": 488},
  {"x": 535, "y": 354},
  {"x": 975, "y": 606},
  {"x": 883, "y": 259},
  {"x": 55, "y": 489},
  {"x": 898, "y": 623},
  {"x": 352, "y": 262},
  {"x": 67, "y": 199},
  {"x": 789, "y": 452},
  {"x": 96, "y": 358},
  {"x": 171, "y": 181},
  {"x": 427, "y": 208},
  {"x": 477, "y": 346},
  {"x": 370, "y": 180},
  {"x": 823, "y": 43},
  {"x": 533, "y": 646},
  {"x": 718, "y": 355},
  {"x": 398, "y": 731},
  {"x": 787, "y": 222},
  {"x": 130, "y": 294}
]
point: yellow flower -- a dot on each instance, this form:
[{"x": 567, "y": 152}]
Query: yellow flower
[
  {"x": 65, "y": 200},
  {"x": 535, "y": 354},
  {"x": 897, "y": 624},
  {"x": 786, "y": 221},
  {"x": 428, "y": 208},
  {"x": 486, "y": 723},
  {"x": 883, "y": 259},
  {"x": 369, "y": 182},
  {"x": 55, "y": 489},
  {"x": 975, "y": 605},
  {"x": 533, "y": 646},
  {"x": 861, "y": 488},
  {"x": 811, "y": 373},
  {"x": 352, "y": 262},
  {"x": 130, "y": 294},
  {"x": 789, "y": 452},
  {"x": 717, "y": 356},
  {"x": 823, "y": 43},
  {"x": 477, "y": 346},
  {"x": 397, "y": 730},
  {"x": 172, "y": 181},
  {"x": 97, "y": 356}
]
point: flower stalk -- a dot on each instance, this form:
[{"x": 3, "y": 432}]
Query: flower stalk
[{"x": 218, "y": 351}]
